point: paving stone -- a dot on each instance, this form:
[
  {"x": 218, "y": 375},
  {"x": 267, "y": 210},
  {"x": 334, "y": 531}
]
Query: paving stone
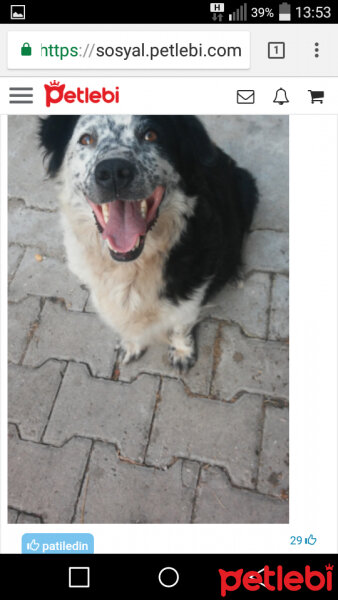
[
  {"x": 27, "y": 176},
  {"x": 12, "y": 516},
  {"x": 31, "y": 393},
  {"x": 226, "y": 434},
  {"x": 120, "y": 492},
  {"x": 279, "y": 314},
  {"x": 43, "y": 480},
  {"x": 47, "y": 277},
  {"x": 22, "y": 318},
  {"x": 70, "y": 335},
  {"x": 28, "y": 519},
  {"x": 260, "y": 144},
  {"x": 273, "y": 476},
  {"x": 36, "y": 228},
  {"x": 107, "y": 410},
  {"x": 15, "y": 254},
  {"x": 245, "y": 303},
  {"x": 155, "y": 361},
  {"x": 266, "y": 251},
  {"x": 249, "y": 364},
  {"x": 218, "y": 502}
]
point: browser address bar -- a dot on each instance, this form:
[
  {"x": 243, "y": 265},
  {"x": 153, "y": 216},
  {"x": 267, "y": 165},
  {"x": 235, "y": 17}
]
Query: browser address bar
[{"x": 129, "y": 50}]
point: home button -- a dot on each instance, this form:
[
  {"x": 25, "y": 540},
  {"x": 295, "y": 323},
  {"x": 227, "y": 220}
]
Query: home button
[{"x": 168, "y": 577}]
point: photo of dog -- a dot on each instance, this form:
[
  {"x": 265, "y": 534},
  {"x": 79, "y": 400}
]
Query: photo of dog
[
  {"x": 154, "y": 215},
  {"x": 148, "y": 329}
]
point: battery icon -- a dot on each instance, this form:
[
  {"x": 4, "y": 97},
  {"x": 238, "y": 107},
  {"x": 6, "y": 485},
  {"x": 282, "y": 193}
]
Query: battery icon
[{"x": 285, "y": 11}]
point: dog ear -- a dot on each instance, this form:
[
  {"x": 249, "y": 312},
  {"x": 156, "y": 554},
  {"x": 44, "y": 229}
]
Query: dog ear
[
  {"x": 195, "y": 142},
  {"x": 54, "y": 133}
]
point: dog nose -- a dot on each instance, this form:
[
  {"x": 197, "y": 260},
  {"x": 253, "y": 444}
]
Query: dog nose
[{"x": 114, "y": 174}]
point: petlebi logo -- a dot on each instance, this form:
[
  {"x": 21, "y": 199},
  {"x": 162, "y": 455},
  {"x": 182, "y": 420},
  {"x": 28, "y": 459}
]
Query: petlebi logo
[
  {"x": 276, "y": 580},
  {"x": 56, "y": 92}
]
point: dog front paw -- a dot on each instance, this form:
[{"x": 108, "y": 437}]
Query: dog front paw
[
  {"x": 183, "y": 355},
  {"x": 130, "y": 351}
]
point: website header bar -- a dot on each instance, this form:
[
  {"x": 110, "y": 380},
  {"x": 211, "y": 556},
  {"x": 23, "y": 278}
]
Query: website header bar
[{"x": 168, "y": 95}]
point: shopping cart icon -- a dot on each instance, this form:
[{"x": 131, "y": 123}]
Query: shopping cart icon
[{"x": 316, "y": 96}]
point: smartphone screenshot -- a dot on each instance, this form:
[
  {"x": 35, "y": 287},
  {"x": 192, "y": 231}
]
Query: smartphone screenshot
[{"x": 169, "y": 298}]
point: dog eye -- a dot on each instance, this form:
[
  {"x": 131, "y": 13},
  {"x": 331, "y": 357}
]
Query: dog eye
[
  {"x": 86, "y": 139},
  {"x": 150, "y": 136}
]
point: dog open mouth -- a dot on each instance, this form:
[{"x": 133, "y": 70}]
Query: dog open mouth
[{"x": 124, "y": 223}]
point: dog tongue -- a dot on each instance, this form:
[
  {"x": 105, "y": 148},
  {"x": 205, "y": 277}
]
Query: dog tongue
[{"x": 125, "y": 224}]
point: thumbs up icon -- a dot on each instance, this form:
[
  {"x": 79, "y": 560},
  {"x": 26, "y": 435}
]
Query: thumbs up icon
[
  {"x": 311, "y": 540},
  {"x": 34, "y": 546}
]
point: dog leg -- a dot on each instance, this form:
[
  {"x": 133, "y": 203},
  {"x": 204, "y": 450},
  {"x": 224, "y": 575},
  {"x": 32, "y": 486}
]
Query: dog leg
[
  {"x": 182, "y": 349},
  {"x": 129, "y": 351}
]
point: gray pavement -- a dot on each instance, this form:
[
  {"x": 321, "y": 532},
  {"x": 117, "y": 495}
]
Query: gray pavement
[{"x": 92, "y": 441}]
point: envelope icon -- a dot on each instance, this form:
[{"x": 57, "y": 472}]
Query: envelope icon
[{"x": 245, "y": 96}]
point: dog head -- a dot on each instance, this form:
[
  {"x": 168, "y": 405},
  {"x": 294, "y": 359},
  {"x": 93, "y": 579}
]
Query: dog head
[{"x": 126, "y": 169}]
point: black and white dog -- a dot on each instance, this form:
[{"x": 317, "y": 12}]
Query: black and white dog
[{"x": 154, "y": 215}]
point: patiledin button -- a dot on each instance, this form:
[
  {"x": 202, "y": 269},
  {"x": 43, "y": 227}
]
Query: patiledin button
[{"x": 57, "y": 543}]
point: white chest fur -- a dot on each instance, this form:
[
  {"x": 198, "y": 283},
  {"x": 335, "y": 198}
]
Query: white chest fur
[{"x": 128, "y": 296}]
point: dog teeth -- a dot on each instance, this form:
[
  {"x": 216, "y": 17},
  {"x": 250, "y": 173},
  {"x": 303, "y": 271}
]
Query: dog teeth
[
  {"x": 137, "y": 244},
  {"x": 134, "y": 248},
  {"x": 105, "y": 212},
  {"x": 144, "y": 208}
]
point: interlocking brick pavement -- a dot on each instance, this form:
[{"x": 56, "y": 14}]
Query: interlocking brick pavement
[
  {"x": 118, "y": 491},
  {"x": 102, "y": 409},
  {"x": 45, "y": 481},
  {"x": 219, "y": 501},
  {"x": 51, "y": 280},
  {"x": 65, "y": 334},
  {"x": 139, "y": 443},
  {"x": 222, "y": 433},
  {"x": 31, "y": 395}
]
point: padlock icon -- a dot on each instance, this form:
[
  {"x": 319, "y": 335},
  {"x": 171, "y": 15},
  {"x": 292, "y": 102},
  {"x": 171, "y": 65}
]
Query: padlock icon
[{"x": 26, "y": 50}]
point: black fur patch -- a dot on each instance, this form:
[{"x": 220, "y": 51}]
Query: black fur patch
[
  {"x": 210, "y": 246},
  {"x": 55, "y": 133}
]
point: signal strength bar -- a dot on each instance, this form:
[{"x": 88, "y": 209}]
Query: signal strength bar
[{"x": 241, "y": 14}]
